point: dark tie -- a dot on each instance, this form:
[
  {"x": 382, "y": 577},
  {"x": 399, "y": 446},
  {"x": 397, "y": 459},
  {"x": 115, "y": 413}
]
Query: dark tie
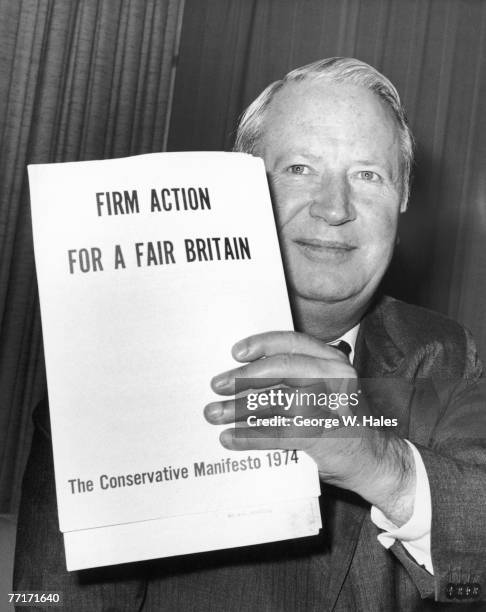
[{"x": 344, "y": 347}]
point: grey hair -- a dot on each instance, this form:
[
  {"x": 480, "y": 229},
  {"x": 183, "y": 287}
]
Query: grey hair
[{"x": 338, "y": 69}]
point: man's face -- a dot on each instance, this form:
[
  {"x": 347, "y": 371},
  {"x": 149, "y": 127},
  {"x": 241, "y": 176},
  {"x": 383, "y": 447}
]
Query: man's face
[{"x": 333, "y": 159}]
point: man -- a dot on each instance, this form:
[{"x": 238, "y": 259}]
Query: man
[{"x": 402, "y": 512}]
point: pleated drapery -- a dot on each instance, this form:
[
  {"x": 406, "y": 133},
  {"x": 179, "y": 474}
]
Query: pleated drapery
[
  {"x": 79, "y": 79},
  {"x": 435, "y": 53}
]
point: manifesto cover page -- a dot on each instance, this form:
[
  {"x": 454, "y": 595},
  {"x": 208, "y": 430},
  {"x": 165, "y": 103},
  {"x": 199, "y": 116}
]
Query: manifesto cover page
[{"x": 150, "y": 268}]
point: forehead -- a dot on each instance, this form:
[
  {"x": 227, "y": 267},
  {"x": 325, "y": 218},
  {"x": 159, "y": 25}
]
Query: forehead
[{"x": 317, "y": 114}]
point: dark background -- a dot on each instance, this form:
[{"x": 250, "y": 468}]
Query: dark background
[
  {"x": 432, "y": 50},
  {"x": 91, "y": 79}
]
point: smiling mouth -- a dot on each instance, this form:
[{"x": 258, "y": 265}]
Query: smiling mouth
[{"x": 321, "y": 250}]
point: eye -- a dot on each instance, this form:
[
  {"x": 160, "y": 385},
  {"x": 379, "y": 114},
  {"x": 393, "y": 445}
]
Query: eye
[
  {"x": 369, "y": 176},
  {"x": 298, "y": 169}
]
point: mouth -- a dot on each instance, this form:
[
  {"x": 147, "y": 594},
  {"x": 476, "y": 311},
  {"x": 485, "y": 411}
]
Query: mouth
[{"x": 324, "y": 250}]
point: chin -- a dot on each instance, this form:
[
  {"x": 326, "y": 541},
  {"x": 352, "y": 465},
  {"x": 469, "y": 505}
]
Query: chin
[
  {"x": 322, "y": 284},
  {"x": 327, "y": 293}
]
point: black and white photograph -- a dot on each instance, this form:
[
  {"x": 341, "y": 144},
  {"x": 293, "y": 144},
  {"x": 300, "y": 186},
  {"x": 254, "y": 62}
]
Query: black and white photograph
[{"x": 243, "y": 305}]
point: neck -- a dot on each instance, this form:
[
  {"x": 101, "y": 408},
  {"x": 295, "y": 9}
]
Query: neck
[{"x": 326, "y": 321}]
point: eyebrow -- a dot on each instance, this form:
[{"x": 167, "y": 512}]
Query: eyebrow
[
  {"x": 368, "y": 162},
  {"x": 304, "y": 154},
  {"x": 385, "y": 165}
]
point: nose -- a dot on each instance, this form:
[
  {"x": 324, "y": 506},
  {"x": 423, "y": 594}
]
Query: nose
[{"x": 331, "y": 202}]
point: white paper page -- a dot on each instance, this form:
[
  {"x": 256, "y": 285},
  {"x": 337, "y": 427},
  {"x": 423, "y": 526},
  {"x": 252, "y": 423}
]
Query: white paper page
[
  {"x": 130, "y": 350},
  {"x": 190, "y": 534}
]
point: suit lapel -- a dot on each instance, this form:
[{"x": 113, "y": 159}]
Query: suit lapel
[
  {"x": 343, "y": 516},
  {"x": 376, "y": 356}
]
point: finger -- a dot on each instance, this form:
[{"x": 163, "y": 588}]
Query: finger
[
  {"x": 234, "y": 411},
  {"x": 276, "y": 342},
  {"x": 241, "y": 408},
  {"x": 260, "y": 440},
  {"x": 284, "y": 368},
  {"x": 219, "y": 413}
]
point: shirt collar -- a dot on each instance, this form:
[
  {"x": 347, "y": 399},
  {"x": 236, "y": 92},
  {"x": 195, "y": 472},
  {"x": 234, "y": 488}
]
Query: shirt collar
[{"x": 350, "y": 337}]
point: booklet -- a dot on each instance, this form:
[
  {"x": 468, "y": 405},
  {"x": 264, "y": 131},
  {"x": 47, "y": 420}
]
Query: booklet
[{"x": 149, "y": 269}]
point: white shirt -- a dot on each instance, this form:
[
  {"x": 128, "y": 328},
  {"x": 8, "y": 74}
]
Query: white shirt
[{"x": 415, "y": 534}]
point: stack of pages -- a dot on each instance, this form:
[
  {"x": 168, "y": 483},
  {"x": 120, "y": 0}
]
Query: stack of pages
[{"x": 150, "y": 268}]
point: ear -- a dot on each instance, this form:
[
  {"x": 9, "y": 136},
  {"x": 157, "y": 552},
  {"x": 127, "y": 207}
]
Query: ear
[{"x": 405, "y": 188}]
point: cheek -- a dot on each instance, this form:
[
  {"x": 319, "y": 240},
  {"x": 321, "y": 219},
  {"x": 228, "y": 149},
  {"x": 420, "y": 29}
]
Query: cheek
[
  {"x": 288, "y": 200},
  {"x": 379, "y": 233},
  {"x": 385, "y": 219}
]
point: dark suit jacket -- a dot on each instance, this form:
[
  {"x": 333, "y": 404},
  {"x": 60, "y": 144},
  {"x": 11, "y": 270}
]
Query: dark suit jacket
[{"x": 345, "y": 568}]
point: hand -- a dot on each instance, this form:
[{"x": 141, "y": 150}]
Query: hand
[{"x": 375, "y": 464}]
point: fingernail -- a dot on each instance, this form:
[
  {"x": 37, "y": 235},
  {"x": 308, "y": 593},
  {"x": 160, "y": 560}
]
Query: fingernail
[
  {"x": 226, "y": 438},
  {"x": 240, "y": 350},
  {"x": 214, "y": 411},
  {"x": 219, "y": 382}
]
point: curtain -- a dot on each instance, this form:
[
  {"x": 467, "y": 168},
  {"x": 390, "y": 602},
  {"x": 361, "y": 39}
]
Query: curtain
[
  {"x": 79, "y": 80},
  {"x": 435, "y": 53}
]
